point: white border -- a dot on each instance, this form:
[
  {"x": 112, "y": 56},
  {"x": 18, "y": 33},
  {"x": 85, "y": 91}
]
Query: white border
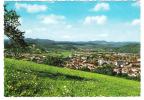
[
  {"x": 65, "y": 98},
  {"x": 142, "y": 48},
  {"x": 1, "y": 50}
]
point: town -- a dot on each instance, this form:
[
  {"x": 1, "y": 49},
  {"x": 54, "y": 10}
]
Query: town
[
  {"x": 119, "y": 63},
  {"x": 123, "y": 63}
]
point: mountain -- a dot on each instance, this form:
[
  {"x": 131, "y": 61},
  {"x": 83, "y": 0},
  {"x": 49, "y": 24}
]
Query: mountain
[{"x": 130, "y": 47}]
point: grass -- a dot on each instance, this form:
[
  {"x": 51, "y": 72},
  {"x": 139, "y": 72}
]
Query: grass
[
  {"x": 23, "y": 78},
  {"x": 64, "y": 53}
]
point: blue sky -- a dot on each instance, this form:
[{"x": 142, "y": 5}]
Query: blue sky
[{"x": 79, "y": 21}]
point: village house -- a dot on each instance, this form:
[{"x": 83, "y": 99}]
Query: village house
[{"x": 120, "y": 63}]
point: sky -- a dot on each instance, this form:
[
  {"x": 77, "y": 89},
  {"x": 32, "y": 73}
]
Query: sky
[{"x": 79, "y": 21}]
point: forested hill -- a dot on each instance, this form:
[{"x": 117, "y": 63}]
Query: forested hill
[{"x": 127, "y": 47}]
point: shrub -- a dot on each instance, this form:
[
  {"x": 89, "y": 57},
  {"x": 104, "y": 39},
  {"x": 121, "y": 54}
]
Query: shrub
[
  {"x": 55, "y": 60},
  {"x": 85, "y": 68},
  {"x": 105, "y": 69}
]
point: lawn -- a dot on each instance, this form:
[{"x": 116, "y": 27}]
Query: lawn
[{"x": 23, "y": 78}]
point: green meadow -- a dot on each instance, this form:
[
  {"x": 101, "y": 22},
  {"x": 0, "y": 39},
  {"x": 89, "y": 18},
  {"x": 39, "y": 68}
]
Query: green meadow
[{"x": 25, "y": 78}]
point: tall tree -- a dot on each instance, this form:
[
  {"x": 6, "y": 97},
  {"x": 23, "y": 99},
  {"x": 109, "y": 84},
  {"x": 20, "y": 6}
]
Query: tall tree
[{"x": 11, "y": 23}]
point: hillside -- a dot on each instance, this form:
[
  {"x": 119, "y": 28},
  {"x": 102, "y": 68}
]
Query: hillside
[
  {"x": 23, "y": 78},
  {"x": 46, "y": 44}
]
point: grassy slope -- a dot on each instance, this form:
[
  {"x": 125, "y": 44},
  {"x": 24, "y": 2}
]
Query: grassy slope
[{"x": 54, "y": 81}]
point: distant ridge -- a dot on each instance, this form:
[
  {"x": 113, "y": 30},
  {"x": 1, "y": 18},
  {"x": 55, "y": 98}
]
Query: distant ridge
[{"x": 133, "y": 47}]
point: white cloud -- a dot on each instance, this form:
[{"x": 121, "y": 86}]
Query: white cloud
[
  {"x": 103, "y": 35},
  {"x": 31, "y": 8},
  {"x": 135, "y": 22},
  {"x": 101, "y": 6},
  {"x": 66, "y": 36},
  {"x": 68, "y": 26},
  {"x": 106, "y": 32},
  {"x": 136, "y": 4},
  {"x": 28, "y": 31},
  {"x": 95, "y": 20},
  {"x": 52, "y": 19}
]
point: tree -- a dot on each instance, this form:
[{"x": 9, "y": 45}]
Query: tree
[
  {"x": 105, "y": 69},
  {"x": 11, "y": 24}
]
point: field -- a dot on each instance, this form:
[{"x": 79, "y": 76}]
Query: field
[
  {"x": 64, "y": 53},
  {"x": 23, "y": 78}
]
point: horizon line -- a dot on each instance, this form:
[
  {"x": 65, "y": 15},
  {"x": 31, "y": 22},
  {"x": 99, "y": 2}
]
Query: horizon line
[{"x": 79, "y": 41}]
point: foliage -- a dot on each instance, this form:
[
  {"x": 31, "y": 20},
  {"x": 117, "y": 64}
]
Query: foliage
[
  {"x": 129, "y": 48},
  {"x": 124, "y": 47},
  {"x": 125, "y": 75},
  {"x": 85, "y": 68},
  {"x": 23, "y": 78},
  {"x": 11, "y": 24},
  {"x": 55, "y": 60},
  {"x": 108, "y": 70},
  {"x": 105, "y": 69}
]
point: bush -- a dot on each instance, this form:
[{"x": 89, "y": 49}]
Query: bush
[
  {"x": 55, "y": 60},
  {"x": 105, "y": 69},
  {"x": 85, "y": 68}
]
